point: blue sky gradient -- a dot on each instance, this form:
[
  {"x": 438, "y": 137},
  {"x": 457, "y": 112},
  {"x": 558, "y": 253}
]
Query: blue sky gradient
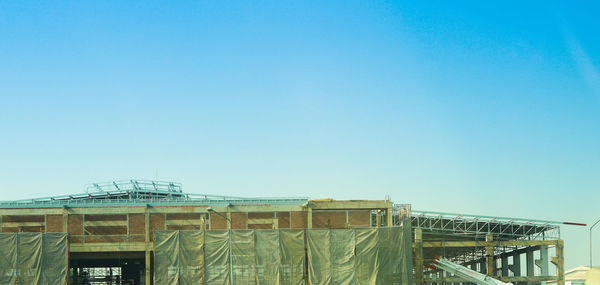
[{"x": 480, "y": 108}]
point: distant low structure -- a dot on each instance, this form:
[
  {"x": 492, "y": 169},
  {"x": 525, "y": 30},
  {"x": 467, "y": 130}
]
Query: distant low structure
[
  {"x": 575, "y": 276},
  {"x": 112, "y": 228}
]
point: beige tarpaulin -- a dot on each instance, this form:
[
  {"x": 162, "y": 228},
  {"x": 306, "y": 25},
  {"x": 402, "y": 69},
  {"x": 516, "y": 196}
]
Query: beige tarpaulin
[
  {"x": 340, "y": 256},
  {"x": 203, "y": 257},
  {"x": 33, "y": 258}
]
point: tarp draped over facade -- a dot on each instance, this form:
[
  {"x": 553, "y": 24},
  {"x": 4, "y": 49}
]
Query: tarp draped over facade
[
  {"x": 33, "y": 258},
  {"x": 333, "y": 256},
  {"x": 203, "y": 257}
]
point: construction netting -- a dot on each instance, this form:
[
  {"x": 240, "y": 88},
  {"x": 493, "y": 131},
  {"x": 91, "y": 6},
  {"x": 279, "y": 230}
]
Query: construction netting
[
  {"x": 311, "y": 256},
  {"x": 33, "y": 258}
]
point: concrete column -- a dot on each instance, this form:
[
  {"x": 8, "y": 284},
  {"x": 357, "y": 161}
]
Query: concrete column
[
  {"x": 229, "y": 225},
  {"x": 516, "y": 266},
  {"x": 418, "y": 257},
  {"x": 489, "y": 257},
  {"x": 148, "y": 269},
  {"x": 542, "y": 263},
  {"x": 378, "y": 218},
  {"x": 504, "y": 263},
  {"x": 75, "y": 275},
  {"x": 309, "y": 217},
  {"x": 65, "y": 216},
  {"x": 529, "y": 262},
  {"x": 389, "y": 217},
  {"x": 559, "y": 261}
]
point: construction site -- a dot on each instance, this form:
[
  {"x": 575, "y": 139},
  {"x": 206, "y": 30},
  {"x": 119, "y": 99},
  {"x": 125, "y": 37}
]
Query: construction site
[{"x": 152, "y": 232}]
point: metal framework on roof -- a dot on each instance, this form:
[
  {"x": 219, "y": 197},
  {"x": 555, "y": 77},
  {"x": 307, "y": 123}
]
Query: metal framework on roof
[
  {"x": 143, "y": 192},
  {"x": 444, "y": 226},
  {"x": 439, "y": 227}
]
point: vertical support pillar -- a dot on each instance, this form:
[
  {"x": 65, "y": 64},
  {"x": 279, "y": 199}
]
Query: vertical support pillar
[
  {"x": 559, "y": 261},
  {"x": 389, "y": 217},
  {"x": 542, "y": 263},
  {"x": 75, "y": 279},
  {"x": 504, "y": 263},
  {"x": 418, "y": 256},
  {"x": 516, "y": 266},
  {"x": 147, "y": 239},
  {"x": 65, "y": 217},
  {"x": 148, "y": 268},
  {"x": 128, "y": 231},
  {"x": 483, "y": 267},
  {"x": 529, "y": 262},
  {"x": 489, "y": 256},
  {"x": 473, "y": 266},
  {"x": 378, "y": 218},
  {"x": 309, "y": 217},
  {"x": 83, "y": 227},
  {"x": 229, "y": 225}
]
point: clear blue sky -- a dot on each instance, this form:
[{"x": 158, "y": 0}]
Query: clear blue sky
[{"x": 481, "y": 108}]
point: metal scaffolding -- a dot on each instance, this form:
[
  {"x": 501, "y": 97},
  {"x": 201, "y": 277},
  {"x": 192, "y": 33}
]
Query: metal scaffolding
[
  {"x": 484, "y": 243},
  {"x": 143, "y": 192}
]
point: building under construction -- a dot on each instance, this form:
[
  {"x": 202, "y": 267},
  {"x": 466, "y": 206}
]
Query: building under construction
[{"x": 151, "y": 232}]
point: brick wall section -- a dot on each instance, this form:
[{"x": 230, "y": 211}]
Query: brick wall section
[
  {"x": 184, "y": 216},
  {"x": 157, "y": 223},
  {"x": 299, "y": 220},
  {"x": 75, "y": 228},
  {"x": 283, "y": 220},
  {"x": 218, "y": 222},
  {"x": 261, "y": 227},
  {"x": 238, "y": 220},
  {"x": 38, "y": 218},
  {"x": 105, "y": 217},
  {"x": 359, "y": 218},
  {"x": 329, "y": 219},
  {"x": 261, "y": 215},
  {"x": 55, "y": 223},
  {"x": 137, "y": 224}
]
